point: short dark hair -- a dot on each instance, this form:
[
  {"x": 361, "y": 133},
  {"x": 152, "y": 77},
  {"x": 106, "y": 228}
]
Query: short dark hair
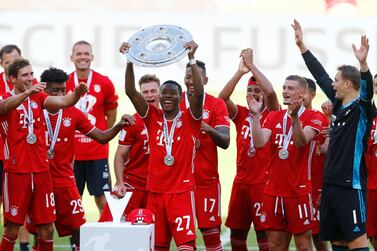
[
  {"x": 149, "y": 78},
  {"x": 311, "y": 84},
  {"x": 200, "y": 64},
  {"x": 375, "y": 76},
  {"x": 81, "y": 42},
  {"x": 16, "y": 66},
  {"x": 8, "y": 49},
  {"x": 351, "y": 73},
  {"x": 174, "y": 83},
  {"x": 54, "y": 75},
  {"x": 300, "y": 80}
]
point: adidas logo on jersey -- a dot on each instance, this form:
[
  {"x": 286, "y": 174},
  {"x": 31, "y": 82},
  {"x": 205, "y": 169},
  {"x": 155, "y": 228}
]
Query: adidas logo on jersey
[
  {"x": 278, "y": 125},
  {"x": 306, "y": 222},
  {"x": 356, "y": 229},
  {"x": 189, "y": 233},
  {"x": 212, "y": 218}
]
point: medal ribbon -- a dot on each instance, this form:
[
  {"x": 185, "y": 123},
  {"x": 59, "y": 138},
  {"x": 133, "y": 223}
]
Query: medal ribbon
[
  {"x": 251, "y": 134},
  {"x": 53, "y": 135},
  {"x": 82, "y": 102},
  {"x": 169, "y": 136},
  {"x": 287, "y": 138},
  {"x": 28, "y": 115}
]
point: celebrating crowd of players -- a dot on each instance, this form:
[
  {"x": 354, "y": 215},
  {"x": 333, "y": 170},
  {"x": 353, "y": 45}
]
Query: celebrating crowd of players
[{"x": 291, "y": 163}]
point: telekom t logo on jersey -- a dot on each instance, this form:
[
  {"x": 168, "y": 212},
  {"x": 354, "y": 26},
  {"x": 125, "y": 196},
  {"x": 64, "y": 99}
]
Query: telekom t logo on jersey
[{"x": 24, "y": 121}]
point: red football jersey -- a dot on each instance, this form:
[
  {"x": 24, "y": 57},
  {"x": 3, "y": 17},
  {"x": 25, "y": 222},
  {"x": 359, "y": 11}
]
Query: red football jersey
[
  {"x": 290, "y": 177},
  {"x": 100, "y": 98},
  {"x": 215, "y": 114},
  {"x": 19, "y": 156},
  {"x": 178, "y": 177},
  {"x": 250, "y": 170},
  {"x": 371, "y": 157},
  {"x": 61, "y": 165},
  {"x": 136, "y": 167},
  {"x": 5, "y": 87},
  {"x": 318, "y": 160}
]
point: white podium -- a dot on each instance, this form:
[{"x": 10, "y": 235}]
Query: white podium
[{"x": 109, "y": 236}]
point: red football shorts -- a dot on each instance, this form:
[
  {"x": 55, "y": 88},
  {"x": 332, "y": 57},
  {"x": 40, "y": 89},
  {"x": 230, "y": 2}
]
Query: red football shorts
[
  {"x": 208, "y": 206},
  {"x": 174, "y": 217},
  {"x": 291, "y": 214},
  {"x": 28, "y": 194},
  {"x": 371, "y": 213},
  {"x": 138, "y": 200},
  {"x": 245, "y": 206},
  {"x": 69, "y": 210}
]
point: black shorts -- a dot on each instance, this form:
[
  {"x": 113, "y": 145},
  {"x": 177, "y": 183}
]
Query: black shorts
[
  {"x": 343, "y": 213},
  {"x": 95, "y": 173}
]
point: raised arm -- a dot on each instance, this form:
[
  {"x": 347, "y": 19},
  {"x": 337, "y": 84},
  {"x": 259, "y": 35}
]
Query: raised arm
[
  {"x": 136, "y": 98},
  {"x": 228, "y": 89},
  {"x": 105, "y": 136},
  {"x": 366, "y": 85},
  {"x": 54, "y": 103},
  {"x": 196, "y": 99},
  {"x": 272, "y": 101},
  {"x": 314, "y": 66},
  {"x": 13, "y": 102}
]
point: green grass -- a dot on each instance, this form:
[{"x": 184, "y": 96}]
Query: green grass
[{"x": 227, "y": 170}]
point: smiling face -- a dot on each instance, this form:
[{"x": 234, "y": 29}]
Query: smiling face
[
  {"x": 82, "y": 56},
  {"x": 292, "y": 90},
  {"x": 188, "y": 79},
  {"x": 170, "y": 97},
  {"x": 24, "y": 79},
  {"x": 340, "y": 85},
  {"x": 150, "y": 91}
]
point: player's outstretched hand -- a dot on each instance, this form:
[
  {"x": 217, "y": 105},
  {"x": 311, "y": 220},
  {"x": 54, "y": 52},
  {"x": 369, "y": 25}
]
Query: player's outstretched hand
[
  {"x": 299, "y": 37},
  {"x": 294, "y": 107},
  {"x": 124, "y": 47},
  {"x": 120, "y": 190},
  {"x": 242, "y": 67},
  {"x": 192, "y": 46},
  {"x": 254, "y": 105},
  {"x": 362, "y": 53},
  {"x": 81, "y": 89},
  {"x": 36, "y": 88},
  {"x": 127, "y": 120},
  {"x": 325, "y": 131}
]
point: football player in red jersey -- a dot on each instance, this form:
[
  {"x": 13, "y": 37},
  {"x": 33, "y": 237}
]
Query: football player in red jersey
[
  {"x": 61, "y": 126},
  {"x": 8, "y": 54},
  {"x": 287, "y": 204},
  {"x": 214, "y": 133},
  {"x": 100, "y": 106},
  {"x": 172, "y": 135},
  {"x": 247, "y": 192},
  {"x": 132, "y": 155},
  {"x": 27, "y": 181}
]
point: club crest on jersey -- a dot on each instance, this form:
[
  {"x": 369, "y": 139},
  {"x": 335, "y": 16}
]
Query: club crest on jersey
[
  {"x": 97, "y": 88},
  {"x": 13, "y": 210},
  {"x": 205, "y": 114},
  {"x": 263, "y": 217},
  {"x": 179, "y": 123},
  {"x": 33, "y": 104},
  {"x": 67, "y": 122}
]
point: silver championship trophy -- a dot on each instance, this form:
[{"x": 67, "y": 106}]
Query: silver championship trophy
[{"x": 158, "y": 45}]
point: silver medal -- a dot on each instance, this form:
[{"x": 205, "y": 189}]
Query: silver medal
[
  {"x": 50, "y": 154},
  {"x": 251, "y": 152},
  {"x": 31, "y": 139},
  {"x": 168, "y": 160},
  {"x": 283, "y": 154}
]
